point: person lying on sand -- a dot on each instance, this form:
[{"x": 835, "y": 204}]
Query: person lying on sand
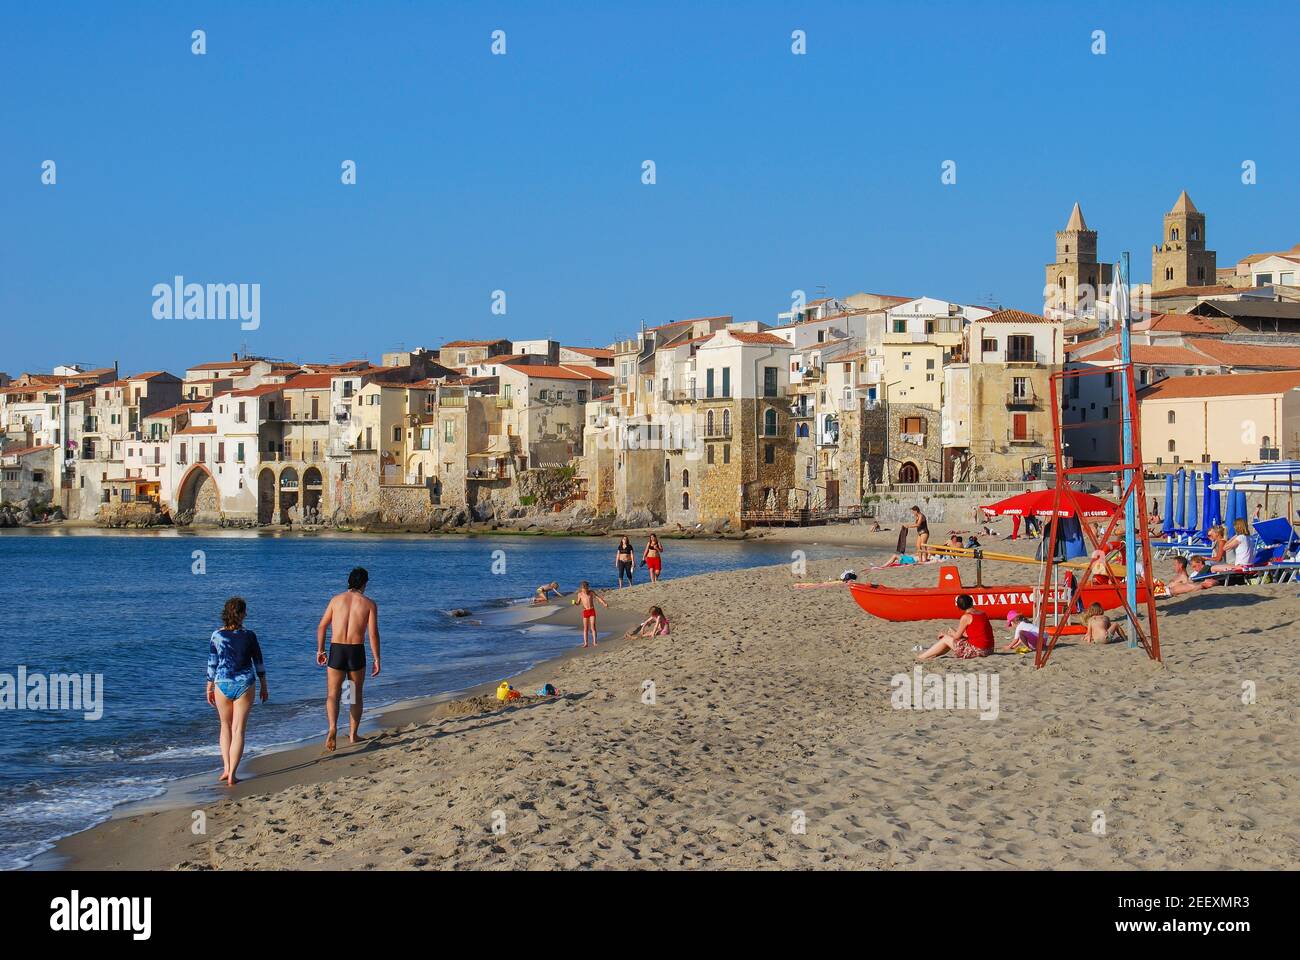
[
  {"x": 656, "y": 625},
  {"x": 877, "y": 528},
  {"x": 547, "y": 588},
  {"x": 1182, "y": 581},
  {"x": 971, "y": 638},
  {"x": 1101, "y": 629},
  {"x": 587, "y": 598}
]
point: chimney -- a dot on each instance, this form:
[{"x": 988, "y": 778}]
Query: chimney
[{"x": 235, "y": 356}]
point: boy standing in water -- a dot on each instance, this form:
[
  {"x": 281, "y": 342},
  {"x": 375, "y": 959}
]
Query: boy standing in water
[
  {"x": 587, "y": 598},
  {"x": 349, "y": 617}
]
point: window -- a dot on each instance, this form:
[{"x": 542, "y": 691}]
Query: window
[
  {"x": 989, "y": 345},
  {"x": 239, "y": 453},
  {"x": 708, "y": 424},
  {"x": 221, "y": 453},
  {"x": 726, "y": 381},
  {"x": 668, "y": 471},
  {"x": 726, "y": 453},
  {"x": 449, "y": 431},
  {"x": 900, "y": 325},
  {"x": 769, "y": 453},
  {"x": 397, "y": 434},
  {"x": 686, "y": 500},
  {"x": 709, "y": 453},
  {"x": 708, "y": 382},
  {"x": 1020, "y": 389},
  {"x": 582, "y": 396},
  {"x": 810, "y": 469},
  {"x": 769, "y": 381},
  {"x": 929, "y": 364},
  {"x": 1171, "y": 416},
  {"x": 1171, "y": 446},
  {"x": 241, "y": 417},
  {"x": 769, "y": 423},
  {"x": 911, "y": 425},
  {"x": 821, "y": 336},
  {"x": 686, "y": 478},
  {"x": 726, "y": 423},
  {"x": 1020, "y": 348}
]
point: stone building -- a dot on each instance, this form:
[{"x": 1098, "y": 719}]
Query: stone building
[
  {"x": 1181, "y": 258},
  {"x": 1076, "y": 280}
]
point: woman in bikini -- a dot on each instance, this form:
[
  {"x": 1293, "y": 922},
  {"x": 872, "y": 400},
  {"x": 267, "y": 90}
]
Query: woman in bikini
[
  {"x": 922, "y": 527},
  {"x": 653, "y": 557},
  {"x": 624, "y": 561},
  {"x": 234, "y": 667}
]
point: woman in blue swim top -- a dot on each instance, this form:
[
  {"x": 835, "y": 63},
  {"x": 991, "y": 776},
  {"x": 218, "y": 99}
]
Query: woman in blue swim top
[{"x": 234, "y": 667}]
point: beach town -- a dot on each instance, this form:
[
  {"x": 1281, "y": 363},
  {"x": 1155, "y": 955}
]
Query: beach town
[
  {"x": 855, "y": 423},
  {"x": 832, "y": 408}
]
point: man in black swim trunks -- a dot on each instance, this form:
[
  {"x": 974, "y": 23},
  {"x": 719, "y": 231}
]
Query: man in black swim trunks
[{"x": 349, "y": 617}]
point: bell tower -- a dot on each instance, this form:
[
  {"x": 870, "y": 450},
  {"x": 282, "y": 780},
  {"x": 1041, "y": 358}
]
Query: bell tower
[
  {"x": 1180, "y": 259},
  {"x": 1076, "y": 279}
]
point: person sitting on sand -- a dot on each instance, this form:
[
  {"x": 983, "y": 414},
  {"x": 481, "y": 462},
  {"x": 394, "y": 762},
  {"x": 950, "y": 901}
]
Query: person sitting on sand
[
  {"x": 656, "y": 625},
  {"x": 972, "y": 637},
  {"x": 955, "y": 541},
  {"x": 1183, "y": 582},
  {"x": 1101, "y": 629},
  {"x": 586, "y": 598},
  {"x": 877, "y": 528},
  {"x": 1239, "y": 551},
  {"x": 1024, "y": 633},
  {"x": 545, "y": 590},
  {"x": 234, "y": 668}
]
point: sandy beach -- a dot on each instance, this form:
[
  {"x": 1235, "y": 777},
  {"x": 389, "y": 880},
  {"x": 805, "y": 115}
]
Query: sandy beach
[{"x": 772, "y": 742}]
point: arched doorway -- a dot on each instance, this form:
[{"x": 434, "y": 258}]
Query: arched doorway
[
  {"x": 199, "y": 497},
  {"x": 312, "y": 489},
  {"x": 288, "y": 495},
  {"x": 909, "y": 473},
  {"x": 266, "y": 496}
]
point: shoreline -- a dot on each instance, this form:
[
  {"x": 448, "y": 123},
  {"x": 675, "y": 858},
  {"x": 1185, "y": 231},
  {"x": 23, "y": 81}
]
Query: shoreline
[
  {"x": 275, "y": 766},
  {"x": 772, "y": 703}
]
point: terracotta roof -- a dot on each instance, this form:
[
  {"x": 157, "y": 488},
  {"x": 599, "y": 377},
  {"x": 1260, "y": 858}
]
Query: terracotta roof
[
  {"x": 595, "y": 352},
  {"x": 1015, "y": 316},
  {"x": 1286, "y": 356},
  {"x": 261, "y": 391},
  {"x": 545, "y": 371},
  {"x": 151, "y": 375},
  {"x": 23, "y": 451},
  {"x": 1223, "y": 385},
  {"x": 470, "y": 343},
  {"x": 209, "y": 428},
  {"x": 193, "y": 406},
  {"x": 310, "y": 381},
  {"x": 1144, "y": 354},
  {"x": 1208, "y": 290},
  {"x": 759, "y": 339},
  {"x": 1186, "y": 323}
]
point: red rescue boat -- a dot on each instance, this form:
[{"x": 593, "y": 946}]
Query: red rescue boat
[{"x": 939, "y": 602}]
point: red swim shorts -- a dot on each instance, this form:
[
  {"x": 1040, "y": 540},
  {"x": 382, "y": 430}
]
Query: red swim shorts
[
  {"x": 654, "y": 563},
  {"x": 589, "y": 613}
]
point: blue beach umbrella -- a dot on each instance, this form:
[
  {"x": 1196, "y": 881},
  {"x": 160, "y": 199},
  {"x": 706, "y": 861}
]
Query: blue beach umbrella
[
  {"x": 1243, "y": 511},
  {"x": 1229, "y": 507},
  {"x": 1168, "y": 526},
  {"x": 1191, "y": 502},
  {"x": 1208, "y": 495},
  {"x": 1180, "y": 516},
  {"x": 1213, "y": 502}
]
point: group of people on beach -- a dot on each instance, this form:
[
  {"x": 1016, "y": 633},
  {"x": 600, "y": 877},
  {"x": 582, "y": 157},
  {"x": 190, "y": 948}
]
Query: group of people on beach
[
  {"x": 236, "y": 668},
  {"x": 972, "y": 637}
]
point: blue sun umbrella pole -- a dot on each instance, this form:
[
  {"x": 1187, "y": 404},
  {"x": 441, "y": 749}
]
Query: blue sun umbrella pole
[
  {"x": 1168, "y": 528},
  {"x": 1180, "y": 518},
  {"x": 1207, "y": 495},
  {"x": 1215, "y": 506},
  {"x": 1192, "y": 510},
  {"x": 1121, "y": 302}
]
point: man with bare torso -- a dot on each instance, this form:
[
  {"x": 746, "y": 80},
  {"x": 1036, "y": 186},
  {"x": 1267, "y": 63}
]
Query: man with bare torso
[{"x": 349, "y": 617}]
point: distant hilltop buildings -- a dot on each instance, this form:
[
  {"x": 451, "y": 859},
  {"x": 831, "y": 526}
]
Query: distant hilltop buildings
[{"x": 708, "y": 422}]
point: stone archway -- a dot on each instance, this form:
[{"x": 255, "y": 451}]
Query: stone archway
[
  {"x": 313, "y": 489},
  {"x": 909, "y": 473},
  {"x": 199, "y": 497},
  {"x": 289, "y": 495},
  {"x": 266, "y": 496}
]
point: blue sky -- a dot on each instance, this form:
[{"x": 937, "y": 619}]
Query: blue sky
[{"x": 522, "y": 172}]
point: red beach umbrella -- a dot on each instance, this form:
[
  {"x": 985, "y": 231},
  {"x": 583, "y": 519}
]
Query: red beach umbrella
[{"x": 1039, "y": 503}]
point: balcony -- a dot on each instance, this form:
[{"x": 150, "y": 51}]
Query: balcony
[
  {"x": 1022, "y": 399},
  {"x": 1025, "y": 437},
  {"x": 505, "y": 403},
  {"x": 721, "y": 431},
  {"x": 453, "y": 400},
  {"x": 1024, "y": 356},
  {"x": 802, "y": 411}
]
